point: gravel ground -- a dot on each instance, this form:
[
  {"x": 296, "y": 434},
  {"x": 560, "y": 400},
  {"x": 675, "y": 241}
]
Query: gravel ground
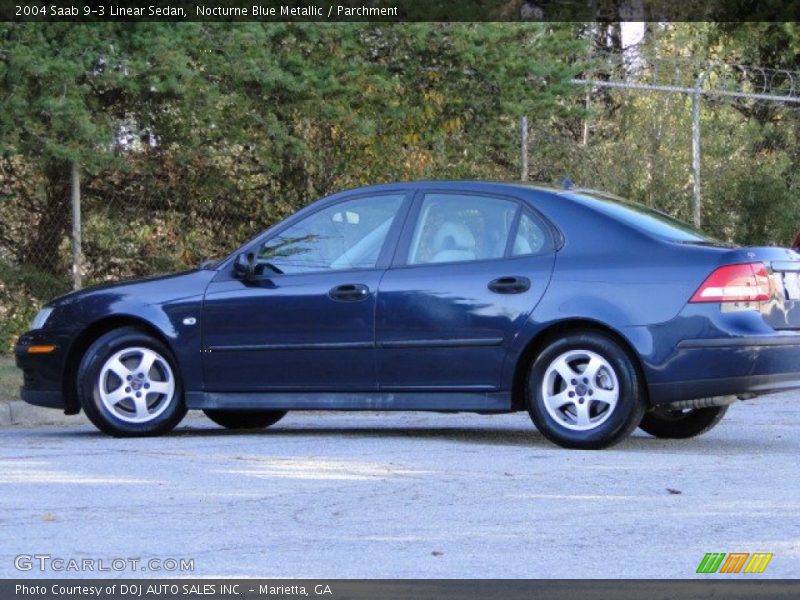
[{"x": 405, "y": 495}]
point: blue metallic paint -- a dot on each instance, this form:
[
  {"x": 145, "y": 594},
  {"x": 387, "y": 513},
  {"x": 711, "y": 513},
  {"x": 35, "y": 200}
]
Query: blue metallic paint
[
  {"x": 290, "y": 323},
  {"x": 160, "y": 303},
  {"x": 420, "y": 303},
  {"x": 438, "y": 327}
]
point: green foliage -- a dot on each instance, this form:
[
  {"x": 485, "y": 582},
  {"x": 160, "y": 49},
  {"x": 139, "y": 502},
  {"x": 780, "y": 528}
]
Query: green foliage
[
  {"x": 20, "y": 292},
  {"x": 10, "y": 378},
  {"x": 192, "y": 137}
]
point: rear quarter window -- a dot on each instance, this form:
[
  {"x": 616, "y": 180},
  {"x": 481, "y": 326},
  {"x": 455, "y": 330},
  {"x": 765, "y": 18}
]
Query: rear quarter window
[{"x": 643, "y": 218}]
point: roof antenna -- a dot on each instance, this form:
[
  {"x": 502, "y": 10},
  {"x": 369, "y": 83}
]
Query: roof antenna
[{"x": 567, "y": 183}]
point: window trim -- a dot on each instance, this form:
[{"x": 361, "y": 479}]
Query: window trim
[
  {"x": 403, "y": 246},
  {"x": 513, "y": 232}
]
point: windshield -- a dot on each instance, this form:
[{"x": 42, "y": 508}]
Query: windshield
[{"x": 644, "y": 218}]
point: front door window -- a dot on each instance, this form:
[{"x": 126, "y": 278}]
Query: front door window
[{"x": 345, "y": 236}]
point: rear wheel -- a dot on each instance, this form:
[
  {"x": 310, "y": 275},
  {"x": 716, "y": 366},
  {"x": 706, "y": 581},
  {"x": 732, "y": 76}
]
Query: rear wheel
[
  {"x": 245, "y": 419},
  {"x": 584, "y": 392},
  {"x": 681, "y": 424},
  {"x": 129, "y": 384}
]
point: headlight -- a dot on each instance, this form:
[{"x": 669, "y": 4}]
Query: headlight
[{"x": 41, "y": 318}]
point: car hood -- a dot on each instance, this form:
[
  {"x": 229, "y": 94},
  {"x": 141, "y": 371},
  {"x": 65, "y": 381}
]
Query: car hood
[{"x": 153, "y": 290}]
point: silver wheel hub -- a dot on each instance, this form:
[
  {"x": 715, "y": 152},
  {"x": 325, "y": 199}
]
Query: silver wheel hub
[
  {"x": 580, "y": 390},
  {"x": 136, "y": 385}
]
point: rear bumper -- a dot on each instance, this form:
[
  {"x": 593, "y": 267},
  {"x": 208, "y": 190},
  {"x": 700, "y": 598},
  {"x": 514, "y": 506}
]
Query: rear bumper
[{"x": 730, "y": 366}]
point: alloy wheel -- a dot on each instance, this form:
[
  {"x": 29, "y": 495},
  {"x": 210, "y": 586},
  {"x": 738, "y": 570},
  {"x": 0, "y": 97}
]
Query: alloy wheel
[
  {"x": 136, "y": 384},
  {"x": 580, "y": 390}
]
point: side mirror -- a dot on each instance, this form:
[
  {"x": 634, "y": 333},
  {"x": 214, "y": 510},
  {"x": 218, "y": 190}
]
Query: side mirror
[{"x": 244, "y": 267}]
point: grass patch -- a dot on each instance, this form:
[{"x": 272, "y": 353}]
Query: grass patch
[{"x": 10, "y": 379}]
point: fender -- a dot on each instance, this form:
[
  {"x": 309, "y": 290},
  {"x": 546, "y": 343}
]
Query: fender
[
  {"x": 170, "y": 306},
  {"x": 177, "y": 324},
  {"x": 637, "y": 338}
]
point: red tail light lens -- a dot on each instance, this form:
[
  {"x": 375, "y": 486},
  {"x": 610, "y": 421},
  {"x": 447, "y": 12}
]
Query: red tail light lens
[{"x": 735, "y": 283}]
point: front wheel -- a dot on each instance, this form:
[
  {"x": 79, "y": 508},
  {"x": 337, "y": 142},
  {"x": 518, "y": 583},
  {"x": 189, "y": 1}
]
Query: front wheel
[
  {"x": 129, "y": 384},
  {"x": 245, "y": 419},
  {"x": 681, "y": 424},
  {"x": 584, "y": 392}
]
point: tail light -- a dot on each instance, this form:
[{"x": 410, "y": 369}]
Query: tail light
[{"x": 749, "y": 282}]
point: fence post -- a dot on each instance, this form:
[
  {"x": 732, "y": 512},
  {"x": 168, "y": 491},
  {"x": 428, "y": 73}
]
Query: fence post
[
  {"x": 585, "y": 137},
  {"x": 523, "y": 147},
  {"x": 75, "y": 198},
  {"x": 696, "y": 190}
]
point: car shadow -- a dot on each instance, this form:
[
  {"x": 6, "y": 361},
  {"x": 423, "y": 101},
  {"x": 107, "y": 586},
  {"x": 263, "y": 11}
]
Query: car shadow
[
  {"x": 487, "y": 436},
  {"x": 472, "y": 435},
  {"x": 527, "y": 437},
  {"x": 482, "y": 435},
  {"x": 504, "y": 436}
]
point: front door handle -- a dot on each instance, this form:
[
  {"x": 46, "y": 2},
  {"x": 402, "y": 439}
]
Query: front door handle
[
  {"x": 349, "y": 292},
  {"x": 510, "y": 285}
]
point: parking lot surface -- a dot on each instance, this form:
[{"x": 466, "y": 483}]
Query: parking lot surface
[{"x": 348, "y": 495}]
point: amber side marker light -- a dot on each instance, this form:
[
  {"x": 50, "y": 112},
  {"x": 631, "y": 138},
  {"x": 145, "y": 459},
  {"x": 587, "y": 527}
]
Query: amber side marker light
[{"x": 40, "y": 349}]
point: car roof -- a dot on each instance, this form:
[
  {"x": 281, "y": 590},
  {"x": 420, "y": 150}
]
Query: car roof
[{"x": 461, "y": 184}]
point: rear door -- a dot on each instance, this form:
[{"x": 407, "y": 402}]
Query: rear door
[{"x": 468, "y": 271}]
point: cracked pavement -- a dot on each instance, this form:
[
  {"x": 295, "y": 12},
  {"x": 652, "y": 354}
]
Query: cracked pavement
[{"x": 406, "y": 495}]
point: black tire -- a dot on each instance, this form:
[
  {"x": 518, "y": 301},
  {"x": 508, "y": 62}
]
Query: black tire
[
  {"x": 681, "y": 424},
  {"x": 245, "y": 419},
  {"x": 171, "y": 408},
  {"x": 612, "y": 424}
]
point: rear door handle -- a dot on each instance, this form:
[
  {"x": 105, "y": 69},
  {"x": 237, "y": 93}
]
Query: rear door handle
[
  {"x": 349, "y": 292},
  {"x": 510, "y": 285}
]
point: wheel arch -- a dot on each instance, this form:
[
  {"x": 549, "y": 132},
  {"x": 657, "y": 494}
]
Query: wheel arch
[
  {"x": 552, "y": 331},
  {"x": 86, "y": 338}
]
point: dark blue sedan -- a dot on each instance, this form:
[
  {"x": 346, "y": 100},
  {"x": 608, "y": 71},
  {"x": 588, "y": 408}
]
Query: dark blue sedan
[{"x": 594, "y": 314}]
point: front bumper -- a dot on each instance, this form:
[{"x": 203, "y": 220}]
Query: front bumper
[
  {"x": 756, "y": 364},
  {"x": 42, "y": 373},
  {"x": 45, "y": 398}
]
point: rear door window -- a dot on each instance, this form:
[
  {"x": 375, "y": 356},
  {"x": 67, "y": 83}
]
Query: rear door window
[{"x": 461, "y": 227}]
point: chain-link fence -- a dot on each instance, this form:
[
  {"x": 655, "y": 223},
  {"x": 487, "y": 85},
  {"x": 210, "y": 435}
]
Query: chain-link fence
[{"x": 717, "y": 145}]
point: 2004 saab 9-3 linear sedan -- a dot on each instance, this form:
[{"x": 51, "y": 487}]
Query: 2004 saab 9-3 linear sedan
[{"x": 594, "y": 314}]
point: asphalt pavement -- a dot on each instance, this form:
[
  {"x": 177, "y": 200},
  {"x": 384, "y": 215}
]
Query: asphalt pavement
[{"x": 408, "y": 495}]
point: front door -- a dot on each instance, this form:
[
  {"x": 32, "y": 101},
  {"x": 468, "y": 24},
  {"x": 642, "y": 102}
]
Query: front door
[
  {"x": 306, "y": 322},
  {"x": 469, "y": 271}
]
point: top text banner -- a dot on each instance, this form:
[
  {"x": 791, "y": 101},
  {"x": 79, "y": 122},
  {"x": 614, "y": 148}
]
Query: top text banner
[{"x": 402, "y": 10}]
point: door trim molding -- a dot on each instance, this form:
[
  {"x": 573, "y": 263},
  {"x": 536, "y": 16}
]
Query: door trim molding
[
  {"x": 392, "y": 344},
  {"x": 299, "y": 346},
  {"x": 442, "y": 343}
]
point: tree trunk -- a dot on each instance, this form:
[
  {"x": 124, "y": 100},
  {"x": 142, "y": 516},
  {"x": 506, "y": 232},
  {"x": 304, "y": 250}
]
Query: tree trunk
[{"x": 41, "y": 251}]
